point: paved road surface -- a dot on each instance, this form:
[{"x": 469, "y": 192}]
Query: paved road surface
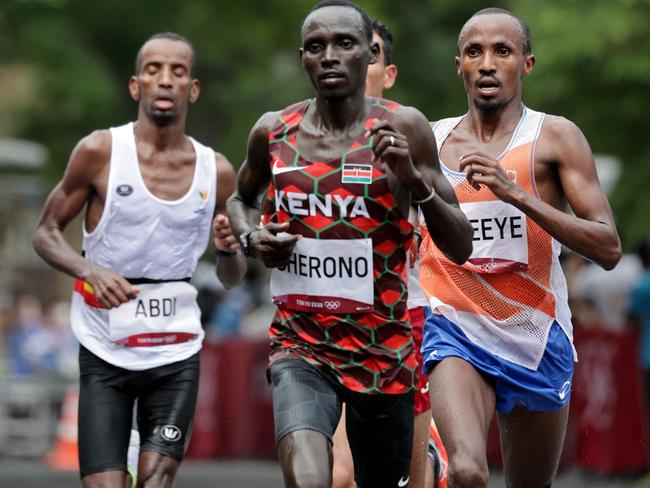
[{"x": 244, "y": 474}]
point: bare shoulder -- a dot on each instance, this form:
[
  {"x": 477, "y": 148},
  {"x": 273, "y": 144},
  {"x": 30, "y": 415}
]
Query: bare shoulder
[
  {"x": 96, "y": 146},
  {"x": 223, "y": 164},
  {"x": 561, "y": 139},
  {"x": 265, "y": 123},
  {"x": 410, "y": 120}
]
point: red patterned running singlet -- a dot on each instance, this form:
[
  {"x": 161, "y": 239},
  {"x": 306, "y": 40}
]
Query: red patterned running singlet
[{"x": 342, "y": 299}]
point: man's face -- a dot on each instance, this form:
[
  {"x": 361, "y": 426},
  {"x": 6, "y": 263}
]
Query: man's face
[
  {"x": 335, "y": 51},
  {"x": 164, "y": 85},
  {"x": 492, "y": 62},
  {"x": 380, "y": 75}
]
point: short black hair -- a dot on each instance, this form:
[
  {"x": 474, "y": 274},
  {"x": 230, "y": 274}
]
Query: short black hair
[
  {"x": 165, "y": 35},
  {"x": 367, "y": 21},
  {"x": 384, "y": 32},
  {"x": 525, "y": 28}
]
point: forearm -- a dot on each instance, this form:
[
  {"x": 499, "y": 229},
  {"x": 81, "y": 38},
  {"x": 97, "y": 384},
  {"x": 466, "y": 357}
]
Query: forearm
[
  {"x": 50, "y": 245},
  {"x": 446, "y": 224},
  {"x": 595, "y": 240},
  {"x": 242, "y": 215},
  {"x": 231, "y": 269}
]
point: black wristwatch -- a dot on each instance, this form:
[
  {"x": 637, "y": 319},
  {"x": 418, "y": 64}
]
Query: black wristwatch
[{"x": 244, "y": 241}]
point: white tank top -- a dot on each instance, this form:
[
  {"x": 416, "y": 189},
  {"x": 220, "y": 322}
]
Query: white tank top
[
  {"x": 506, "y": 297},
  {"x": 141, "y": 236}
]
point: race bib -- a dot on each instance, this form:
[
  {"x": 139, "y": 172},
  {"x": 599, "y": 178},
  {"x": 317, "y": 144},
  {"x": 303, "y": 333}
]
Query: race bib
[
  {"x": 500, "y": 240},
  {"x": 327, "y": 275},
  {"x": 161, "y": 314}
]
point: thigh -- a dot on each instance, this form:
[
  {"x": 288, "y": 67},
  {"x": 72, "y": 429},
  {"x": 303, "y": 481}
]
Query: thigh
[
  {"x": 380, "y": 432},
  {"x": 166, "y": 405},
  {"x": 304, "y": 398},
  {"x": 462, "y": 405},
  {"x": 105, "y": 410},
  {"x": 531, "y": 443},
  {"x": 306, "y": 410}
]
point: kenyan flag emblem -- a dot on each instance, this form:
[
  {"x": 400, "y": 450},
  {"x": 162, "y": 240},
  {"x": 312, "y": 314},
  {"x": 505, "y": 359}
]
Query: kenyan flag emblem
[{"x": 357, "y": 173}]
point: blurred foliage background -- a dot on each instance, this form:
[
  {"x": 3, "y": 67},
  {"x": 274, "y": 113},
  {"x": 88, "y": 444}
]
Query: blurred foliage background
[{"x": 64, "y": 67}]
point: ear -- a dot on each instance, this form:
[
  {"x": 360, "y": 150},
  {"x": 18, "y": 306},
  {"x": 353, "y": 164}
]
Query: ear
[
  {"x": 457, "y": 60},
  {"x": 390, "y": 74},
  {"x": 529, "y": 62},
  {"x": 301, "y": 51},
  {"x": 195, "y": 90},
  {"x": 374, "y": 52},
  {"x": 134, "y": 88}
]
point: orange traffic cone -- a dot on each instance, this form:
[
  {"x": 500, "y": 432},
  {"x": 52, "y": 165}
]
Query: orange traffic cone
[{"x": 64, "y": 456}]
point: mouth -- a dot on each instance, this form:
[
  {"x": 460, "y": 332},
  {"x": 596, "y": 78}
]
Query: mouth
[
  {"x": 329, "y": 76},
  {"x": 488, "y": 86},
  {"x": 163, "y": 102}
]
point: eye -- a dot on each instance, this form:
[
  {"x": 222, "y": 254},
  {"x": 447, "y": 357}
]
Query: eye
[
  {"x": 347, "y": 44},
  {"x": 472, "y": 52},
  {"x": 503, "y": 51},
  {"x": 151, "y": 69},
  {"x": 179, "y": 71},
  {"x": 313, "y": 48}
]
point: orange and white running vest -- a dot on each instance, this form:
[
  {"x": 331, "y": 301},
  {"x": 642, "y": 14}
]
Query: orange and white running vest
[
  {"x": 145, "y": 238},
  {"x": 506, "y": 297}
]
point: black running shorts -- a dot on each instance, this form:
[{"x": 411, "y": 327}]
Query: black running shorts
[
  {"x": 379, "y": 427},
  {"x": 166, "y": 403}
]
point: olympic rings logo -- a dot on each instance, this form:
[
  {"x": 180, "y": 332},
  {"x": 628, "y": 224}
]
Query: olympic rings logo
[{"x": 332, "y": 305}]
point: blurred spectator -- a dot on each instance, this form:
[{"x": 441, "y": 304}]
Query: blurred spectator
[
  {"x": 599, "y": 297},
  {"x": 225, "y": 312},
  {"x": 42, "y": 344},
  {"x": 639, "y": 310}
]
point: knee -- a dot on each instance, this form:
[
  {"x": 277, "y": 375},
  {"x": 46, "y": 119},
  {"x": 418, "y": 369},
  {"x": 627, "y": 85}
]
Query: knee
[
  {"x": 154, "y": 476},
  {"x": 467, "y": 475},
  {"x": 343, "y": 476},
  {"x": 310, "y": 478}
]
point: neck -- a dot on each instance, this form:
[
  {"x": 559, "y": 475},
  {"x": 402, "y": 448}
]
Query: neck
[
  {"x": 485, "y": 124},
  {"x": 160, "y": 137},
  {"x": 339, "y": 114}
]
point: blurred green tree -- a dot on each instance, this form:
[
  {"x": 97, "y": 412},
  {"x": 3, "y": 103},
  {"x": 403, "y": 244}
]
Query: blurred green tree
[{"x": 592, "y": 67}]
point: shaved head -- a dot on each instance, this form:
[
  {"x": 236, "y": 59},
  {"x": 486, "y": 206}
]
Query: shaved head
[{"x": 523, "y": 26}]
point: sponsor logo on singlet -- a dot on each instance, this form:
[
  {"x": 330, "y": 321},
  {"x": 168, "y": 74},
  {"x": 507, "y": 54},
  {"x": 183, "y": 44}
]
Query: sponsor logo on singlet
[
  {"x": 124, "y": 190},
  {"x": 403, "y": 481},
  {"x": 170, "y": 433}
]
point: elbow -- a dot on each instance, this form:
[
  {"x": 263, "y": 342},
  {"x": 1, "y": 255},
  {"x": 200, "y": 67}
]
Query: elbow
[
  {"x": 463, "y": 249},
  {"x": 611, "y": 257}
]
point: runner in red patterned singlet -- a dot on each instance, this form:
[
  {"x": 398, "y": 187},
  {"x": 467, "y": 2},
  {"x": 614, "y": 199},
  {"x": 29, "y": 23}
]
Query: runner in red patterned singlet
[
  {"x": 343, "y": 169},
  {"x": 369, "y": 351}
]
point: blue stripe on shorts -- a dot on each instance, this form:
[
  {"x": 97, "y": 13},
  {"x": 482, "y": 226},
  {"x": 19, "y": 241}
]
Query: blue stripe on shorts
[{"x": 544, "y": 389}]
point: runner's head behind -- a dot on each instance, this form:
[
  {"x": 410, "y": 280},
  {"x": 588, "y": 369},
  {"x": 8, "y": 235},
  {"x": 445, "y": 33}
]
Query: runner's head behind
[
  {"x": 163, "y": 83},
  {"x": 494, "y": 54},
  {"x": 382, "y": 74},
  {"x": 337, "y": 48}
]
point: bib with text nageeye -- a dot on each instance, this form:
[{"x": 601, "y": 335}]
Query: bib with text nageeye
[
  {"x": 500, "y": 240},
  {"x": 161, "y": 314},
  {"x": 326, "y": 275}
]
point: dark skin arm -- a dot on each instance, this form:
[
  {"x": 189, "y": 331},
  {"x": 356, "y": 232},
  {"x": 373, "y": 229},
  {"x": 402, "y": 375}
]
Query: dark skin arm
[
  {"x": 253, "y": 178},
  {"x": 83, "y": 182},
  {"x": 413, "y": 163},
  {"x": 565, "y": 173},
  {"x": 229, "y": 268}
]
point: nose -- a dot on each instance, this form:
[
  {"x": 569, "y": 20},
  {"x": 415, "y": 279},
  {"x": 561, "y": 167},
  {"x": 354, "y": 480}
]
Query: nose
[
  {"x": 330, "y": 56},
  {"x": 487, "y": 63},
  {"x": 166, "y": 76}
]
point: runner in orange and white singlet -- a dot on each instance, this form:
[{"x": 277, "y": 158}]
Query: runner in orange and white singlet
[
  {"x": 344, "y": 169},
  {"x": 500, "y": 335}
]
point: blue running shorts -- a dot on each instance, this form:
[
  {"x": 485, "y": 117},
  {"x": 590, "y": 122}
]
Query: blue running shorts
[{"x": 544, "y": 389}]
